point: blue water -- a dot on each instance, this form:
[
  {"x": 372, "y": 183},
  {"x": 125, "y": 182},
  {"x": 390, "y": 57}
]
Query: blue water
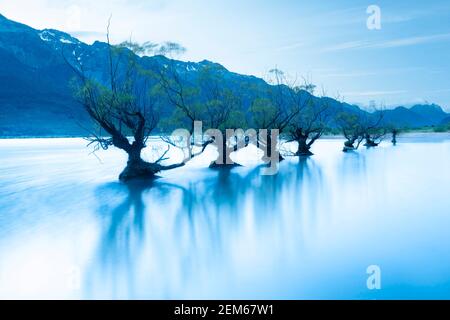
[{"x": 68, "y": 229}]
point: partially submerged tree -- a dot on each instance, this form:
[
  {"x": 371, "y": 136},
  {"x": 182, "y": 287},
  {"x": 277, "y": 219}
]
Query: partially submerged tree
[
  {"x": 206, "y": 100},
  {"x": 360, "y": 125},
  {"x": 274, "y": 112},
  {"x": 350, "y": 125},
  {"x": 182, "y": 95},
  {"x": 373, "y": 128},
  {"x": 310, "y": 122},
  {"x": 394, "y": 132},
  {"x": 222, "y": 114},
  {"x": 123, "y": 108}
]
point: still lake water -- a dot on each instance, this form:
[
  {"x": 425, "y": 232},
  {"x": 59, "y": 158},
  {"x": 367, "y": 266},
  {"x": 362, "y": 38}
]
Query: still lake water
[{"x": 69, "y": 229}]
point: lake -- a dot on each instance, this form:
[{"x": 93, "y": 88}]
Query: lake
[{"x": 70, "y": 230}]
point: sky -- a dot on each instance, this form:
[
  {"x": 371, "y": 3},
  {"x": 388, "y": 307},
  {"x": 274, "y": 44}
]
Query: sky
[{"x": 390, "y": 52}]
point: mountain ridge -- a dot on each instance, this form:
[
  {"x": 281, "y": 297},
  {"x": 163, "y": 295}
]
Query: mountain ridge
[{"x": 36, "y": 99}]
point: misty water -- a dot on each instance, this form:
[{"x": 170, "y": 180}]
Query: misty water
[{"x": 69, "y": 229}]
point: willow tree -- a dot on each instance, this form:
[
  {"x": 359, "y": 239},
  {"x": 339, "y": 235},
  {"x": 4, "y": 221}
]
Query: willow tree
[
  {"x": 122, "y": 107},
  {"x": 351, "y": 127},
  {"x": 358, "y": 126},
  {"x": 310, "y": 122},
  {"x": 204, "y": 99},
  {"x": 374, "y": 129},
  {"x": 394, "y": 132},
  {"x": 221, "y": 113},
  {"x": 273, "y": 111}
]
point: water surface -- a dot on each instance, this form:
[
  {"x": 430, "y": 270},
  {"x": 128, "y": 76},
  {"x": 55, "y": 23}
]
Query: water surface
[{"x": 69, "y": 229}]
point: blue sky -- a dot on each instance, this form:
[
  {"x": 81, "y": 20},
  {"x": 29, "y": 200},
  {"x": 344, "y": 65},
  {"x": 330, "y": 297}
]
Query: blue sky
[{"x": 404, "y": 62}]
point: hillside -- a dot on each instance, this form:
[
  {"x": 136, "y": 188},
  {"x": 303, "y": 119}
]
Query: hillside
[{"x": 36, "y": 98}]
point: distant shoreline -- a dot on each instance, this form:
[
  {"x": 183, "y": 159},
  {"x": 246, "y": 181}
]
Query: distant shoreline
[{"x": 410, "y": 134}]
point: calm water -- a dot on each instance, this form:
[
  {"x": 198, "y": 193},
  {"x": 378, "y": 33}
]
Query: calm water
[{"x": 68, "y": 229}]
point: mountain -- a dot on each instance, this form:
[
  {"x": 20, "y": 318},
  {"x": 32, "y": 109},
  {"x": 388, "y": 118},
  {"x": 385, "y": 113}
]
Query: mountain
[
  {"x": 433, "y": 114},
  {"x": 445, "y": 121},
  {"x": 36, "y": 98},
  {"x": 417, "y": 116}
]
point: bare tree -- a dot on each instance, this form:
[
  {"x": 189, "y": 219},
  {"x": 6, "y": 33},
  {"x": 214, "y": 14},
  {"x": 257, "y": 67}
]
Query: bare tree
[
  {"x": 183, "y": 96},
  {"x": 123, "y": 109},
  {"x": 358, "y": 126},
  {"x": 221, "y": 112},
  {"x": 350, "y": 125},
  {"x": 274, "y": 111},
  {"x": 310, "y": 122},
  {"x": 394, "y": 132},
  {"x": 207, "y": 99},
  {"x": 373, "y": 128},
  {"x": 393, "y": 129}
]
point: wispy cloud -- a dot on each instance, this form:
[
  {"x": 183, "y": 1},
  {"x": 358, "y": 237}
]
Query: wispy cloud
[
  {"x": 373, "y": 93},
  {"x": 291, "y": 46},
  {"x": 349, "y": 45},
  {"x": 346, "y": 46},
  {"x": 369, "y": 73},
  {"x": 411, "y": 41},
  {"x": 427, "y": 10},
  {"x": 439, "y": 90},
  {"x": 87, "y": 33},
  {"x": 403, "y": 42}
]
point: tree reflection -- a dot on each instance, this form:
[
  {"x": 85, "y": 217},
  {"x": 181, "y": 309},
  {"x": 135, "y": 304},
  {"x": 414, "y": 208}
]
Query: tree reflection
[{"x": 158, "y": 238}]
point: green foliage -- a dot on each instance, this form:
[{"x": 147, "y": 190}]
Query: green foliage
[
  {"x": 349, "y": 122},
  {"x": 263, "y": 112},
  {"x": 312, "y": 116},
  {"x": 150, "y": 48},
  {"x": 123, "y": 105},
  {"x": 206, "y": 98},
  {"x": 147, "y": 48},
  {"x": 442, "y": 128}
]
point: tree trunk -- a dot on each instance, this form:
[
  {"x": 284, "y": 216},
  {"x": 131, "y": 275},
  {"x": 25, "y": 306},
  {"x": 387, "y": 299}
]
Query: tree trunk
[
  {"x": 303, "y": 147},
  {"x": 138, "y": 168},
  {"x": 349, "y": 145},
  {"x": 394, "y": 138},
  {"x": 370, "y": 143}
]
